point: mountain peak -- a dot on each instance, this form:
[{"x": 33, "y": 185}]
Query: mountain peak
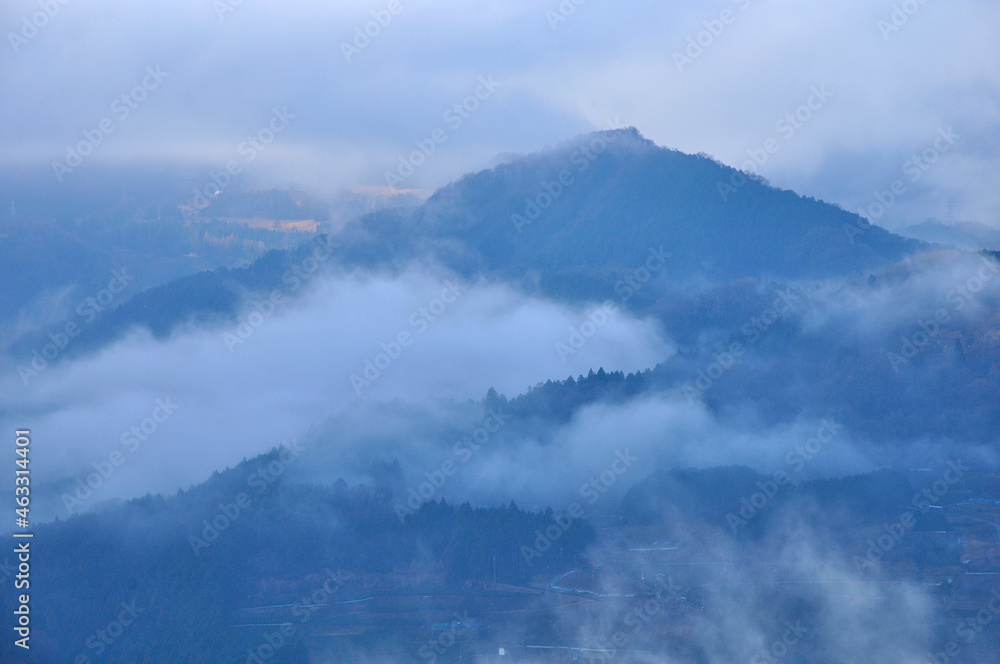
[{"x": 603, "y": 199}]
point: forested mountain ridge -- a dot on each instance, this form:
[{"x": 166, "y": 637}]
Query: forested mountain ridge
[
  {"x": 568, "y": 222},
  {"x": 601, "y": 201}
]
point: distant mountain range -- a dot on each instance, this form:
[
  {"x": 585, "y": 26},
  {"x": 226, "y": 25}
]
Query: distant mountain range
[
  {"x": 783, "y": 310},
  {"x": 615, "y": 194},
  {"x": 963, "y": 234},
  {"x": 571, "y": 221}
]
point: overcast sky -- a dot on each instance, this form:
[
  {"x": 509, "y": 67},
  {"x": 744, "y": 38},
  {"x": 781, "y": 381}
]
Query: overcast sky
[{"x": 885, "y": 90}]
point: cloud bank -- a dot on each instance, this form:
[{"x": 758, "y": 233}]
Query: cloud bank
[{"x": 723, "y": 78}]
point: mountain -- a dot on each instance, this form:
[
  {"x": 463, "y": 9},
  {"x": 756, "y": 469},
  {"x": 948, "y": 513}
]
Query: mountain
[
  {"x": 808, "y": 343},
  {"x": 212, "y": 573},
  {"x": 963, "y": 235},
  {"x": 68, "y": 259},
  {"x": 570, "y": 222},
  {"x": 600, "y": 202},
  {"x": 212, "y": 296}
]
